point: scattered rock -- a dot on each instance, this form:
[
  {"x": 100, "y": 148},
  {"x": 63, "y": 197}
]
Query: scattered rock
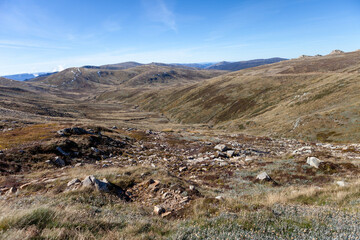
[
  {"x": 59, "y": 162},
  {"x": 221, "y": 147},
  {"x": 230, "y": 153},
  {"x": 71, "y": 131},
  {"x": 181, "y": 169},
  {"x": 303, "y": 150},
  {"x": 102, "y": 186},
  {"x": 313, "y": 161},
  {"x": 263, "y": 176},
  {"x": 220, "y": 154},
  {"x": 11, "y": 191},
  {"x": 62, "y": 151},
  {"x": 341, "y": 183},
  {"x": 159, "y": 210},
  {"x": 219, "y": 198},
  {"x": 337, "y": 51},
  {"x": 114, "y": 127},
  {"x": 79, "y": 164},
  {"x": 165, "y": 214},
  {"x": 91, "y": 181},
  {"x": 105, "y": 186},
  {"x": 95, "y": 149},
  {"x": 74, "y": 181},
  {"x": 223, "y": 164},
  {"x": 88, "y": 181}
]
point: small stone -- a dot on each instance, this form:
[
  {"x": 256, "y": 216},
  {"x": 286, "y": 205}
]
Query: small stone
[
  {"x": 221, "y": 147},
  {"x": 184, "y": 194},
  {"x": 223, "y": 164},
  {"x": 91, "y": 181},
  {"x": 263, "y": 176},
  {"x": 59, "y": 162},
  {"x": 313, "y": 161},
  {"x": 230, "y": 153},
  {"x": 74, "y": 181},
  {"x": 88, "y": 181},
  {"x": 102, "y": 186},
  {"x": 165, "y": 214},
  {"x": 341, "y": 183},
  {"x": 11, "y": 191},
  {"x": 220, "y": 154},
  {"x": 114, "y": 127},
  {"x": 219, "y": 198},
  {"x": 159, "y": 210},
  {"x": 95, "y": 149},
  {"x": 79, "y": 164},
  {"x": 192, "y": 187},
  {"x": 181, "y": 169}
]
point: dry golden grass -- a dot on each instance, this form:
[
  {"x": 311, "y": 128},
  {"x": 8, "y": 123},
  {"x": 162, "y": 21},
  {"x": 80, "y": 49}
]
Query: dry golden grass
[
  {"x": 27, "y": 134},
  {"x": 317, "y": 95}
]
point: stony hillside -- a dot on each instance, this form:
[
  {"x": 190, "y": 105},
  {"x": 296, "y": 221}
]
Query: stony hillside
[
  {"x": 80, "y": 159},
  {"x": 65, "y": 181},
  {"x": 314, "y": 98}
]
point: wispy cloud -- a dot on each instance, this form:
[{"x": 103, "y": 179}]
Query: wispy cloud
[
  {"x": 58, "y": 68},
  {"x": 159, "y": 11},
  {"x": 23, "y": 18},
  {"x": 27, "y": 45}
]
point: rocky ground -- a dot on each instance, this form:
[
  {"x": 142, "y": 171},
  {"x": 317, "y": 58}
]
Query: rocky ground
[{"x": 61, "y": 181}]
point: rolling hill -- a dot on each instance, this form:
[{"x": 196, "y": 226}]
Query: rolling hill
[
  {"x": 227, "y": 66},
  {"x": 314, "y": 98},
  {"x": 91, "y": 79}
]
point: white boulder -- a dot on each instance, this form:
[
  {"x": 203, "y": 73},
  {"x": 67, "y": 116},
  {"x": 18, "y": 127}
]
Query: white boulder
[
  {"x": 221, "y": 147},
  {"x": 313, "y": 161}
]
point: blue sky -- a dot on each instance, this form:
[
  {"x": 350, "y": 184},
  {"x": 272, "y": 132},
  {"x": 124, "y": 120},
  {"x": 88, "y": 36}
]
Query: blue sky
[{"x": 47, "y": 35}]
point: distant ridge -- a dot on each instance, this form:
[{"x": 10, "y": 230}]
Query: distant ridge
[
  {"x": 228, "y": 66},
  {"x": 27, "y": 76},
  {"x": 225, "y": 66},
  {"x": 235, "y": 66}
]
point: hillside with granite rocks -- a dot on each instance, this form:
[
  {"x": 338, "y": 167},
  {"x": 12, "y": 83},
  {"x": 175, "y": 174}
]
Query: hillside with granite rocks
[{"x": 155, "y": 152}]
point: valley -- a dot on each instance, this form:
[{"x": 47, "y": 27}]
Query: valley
[{"x": 131, "y": 151}]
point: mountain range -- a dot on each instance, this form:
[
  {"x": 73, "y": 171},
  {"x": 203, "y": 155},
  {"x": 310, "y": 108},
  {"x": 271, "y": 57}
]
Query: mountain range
[
  {"x": 229, "y": 66},
  {"x": 312, "y": 98}
]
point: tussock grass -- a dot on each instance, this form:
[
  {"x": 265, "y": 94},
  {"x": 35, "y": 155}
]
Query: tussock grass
[{"x": 27, "y": 134}]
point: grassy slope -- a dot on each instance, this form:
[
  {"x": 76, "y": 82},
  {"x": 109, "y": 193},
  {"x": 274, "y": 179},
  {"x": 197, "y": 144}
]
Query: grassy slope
[
  {"x": 140, "y": 76},
  {"x": 313, "y": 98}
]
